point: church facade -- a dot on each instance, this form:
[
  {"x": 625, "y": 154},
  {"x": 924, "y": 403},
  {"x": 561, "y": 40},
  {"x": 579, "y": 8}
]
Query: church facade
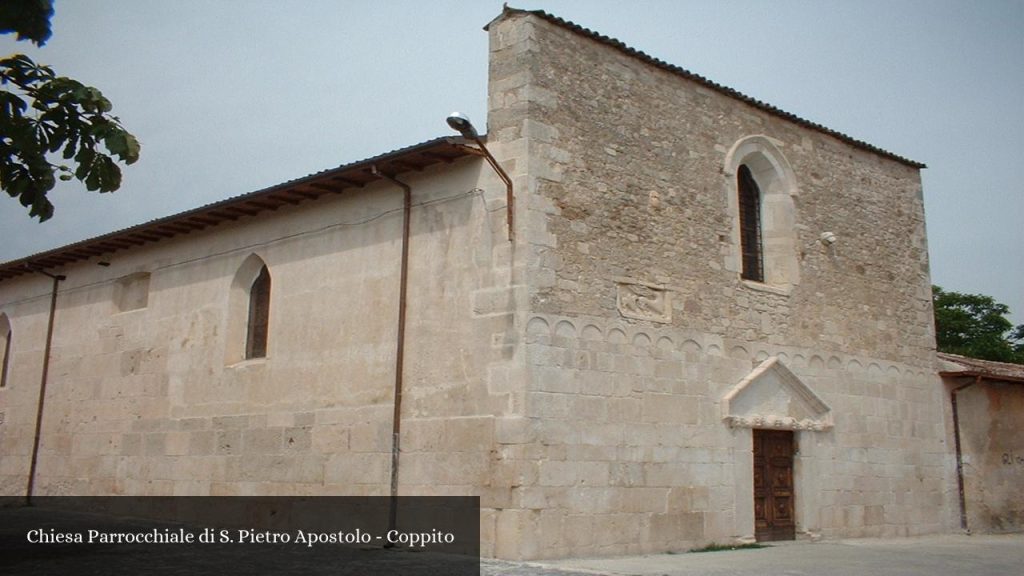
[{"x": 702, "y": 320}]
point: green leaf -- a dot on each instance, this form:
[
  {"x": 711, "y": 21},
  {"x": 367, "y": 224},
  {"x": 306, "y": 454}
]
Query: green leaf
[
  {"x": 104, "y": 175},
  {"x": 133, "y": 149},
  {"x": 85, "y": 158},
  {"x": 29, "y": 19},
  {"x": 70, "y": 119},
  {"x": 71, "y": 148},
  {"x": 11, "y": 105},
  {"x": 115, "y": 142},
  {"x": 108, "y": 173},
  {"x": 122, "y": 144}
]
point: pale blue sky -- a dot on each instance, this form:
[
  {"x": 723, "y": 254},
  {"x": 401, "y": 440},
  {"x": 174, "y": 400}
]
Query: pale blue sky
[{"x": 231, "y": 96}]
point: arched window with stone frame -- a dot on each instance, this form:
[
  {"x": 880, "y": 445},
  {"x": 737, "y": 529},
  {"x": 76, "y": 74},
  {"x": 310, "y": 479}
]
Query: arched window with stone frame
[
  {"x": 259, "y": 316},
  {"x": 752, "y": 264},
  {"x": 248, "y": 316},
  {"x": 760, "y": 197},
  {"x": 5, "y": 349}
]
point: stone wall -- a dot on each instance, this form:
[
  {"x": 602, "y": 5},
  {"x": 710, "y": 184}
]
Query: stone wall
[
  {"x": 639, "y": 323},
  {"x": 628, "y": 163},
  {"x": 142, "y": 400},
  {"x": 26, "y": 308}
]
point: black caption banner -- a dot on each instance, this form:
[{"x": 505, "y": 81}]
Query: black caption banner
[{"x": 228, "y": 536}]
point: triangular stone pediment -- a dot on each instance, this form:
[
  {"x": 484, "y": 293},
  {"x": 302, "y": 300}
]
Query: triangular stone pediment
[{"x": 771, "y": 396}]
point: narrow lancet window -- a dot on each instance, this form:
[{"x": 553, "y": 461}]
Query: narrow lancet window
[
  {"x": 5, "y": 344},
  {"x": 750, "y": 225},
  {"x": 259, "y": 316}
]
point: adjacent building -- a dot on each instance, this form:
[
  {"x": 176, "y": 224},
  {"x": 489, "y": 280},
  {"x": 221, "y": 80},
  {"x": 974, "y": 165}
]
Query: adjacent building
[{"x": 986, "y": 419}]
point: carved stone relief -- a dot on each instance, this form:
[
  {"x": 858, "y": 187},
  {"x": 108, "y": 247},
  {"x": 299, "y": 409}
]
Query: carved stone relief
[
  {"x": 643, "y": 300},
  {"x": 771, "y": 396}
]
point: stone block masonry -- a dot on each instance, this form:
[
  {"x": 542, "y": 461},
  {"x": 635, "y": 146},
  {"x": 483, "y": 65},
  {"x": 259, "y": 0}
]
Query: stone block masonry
[{"x": 638, "y": 322}]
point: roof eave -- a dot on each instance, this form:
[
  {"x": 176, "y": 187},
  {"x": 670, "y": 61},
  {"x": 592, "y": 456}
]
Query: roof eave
[
  {"x": 332, "y": 181},
  {"x": 981, "y": 374}
]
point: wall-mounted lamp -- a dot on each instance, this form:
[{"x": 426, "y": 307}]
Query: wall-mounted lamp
[
  {"x": 827, "y": 238},
  {"x": 461, "y": 124}
]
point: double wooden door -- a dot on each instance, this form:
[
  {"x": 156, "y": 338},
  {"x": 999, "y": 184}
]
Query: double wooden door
[{"x": 773, "y": 485}]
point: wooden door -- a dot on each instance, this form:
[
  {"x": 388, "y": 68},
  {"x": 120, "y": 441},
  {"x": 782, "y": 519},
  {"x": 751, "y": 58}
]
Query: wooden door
[{"x": 773, "y": 485}]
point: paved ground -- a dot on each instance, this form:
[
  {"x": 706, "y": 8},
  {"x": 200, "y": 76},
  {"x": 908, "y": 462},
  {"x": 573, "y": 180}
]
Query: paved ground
[{"x": 948, "y": 555}]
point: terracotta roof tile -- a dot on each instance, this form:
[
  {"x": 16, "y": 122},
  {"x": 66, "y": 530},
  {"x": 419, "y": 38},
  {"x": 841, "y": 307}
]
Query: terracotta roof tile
[{"x": 984, "y": 368}]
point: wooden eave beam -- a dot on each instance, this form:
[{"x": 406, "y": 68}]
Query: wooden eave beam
[
  {"x": 109, "y": 246},
  {"x": 80, "y": 253},
  {"x": 147, "y": 237},
  {"x": 47, "y": 262},
  {"x": 285, "y": 199},
  {"x": 327, "y": 188},
  {"x": 120, "y": 243},
  {"x": 404, "y": 166},
  {"x": 196, "y": 222},
  {"x": 307, "y": 194},
  {"x": 243, "y": 211},
  {"x": 90, "y": 251},
  {"x": 63, "y": 258},
  {"x": 350, "y": 182},
  {"x": 147, "y": 234},
  {"x": 176, "y": 227},
  {"x": 263, "y": 204},
  {"x": 222, "y": 214},
  {"x": 206, "y": 220},
  {"x": 439, "y": 157}
]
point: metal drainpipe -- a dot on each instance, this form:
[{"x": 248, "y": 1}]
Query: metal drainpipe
[
  {"x": 396, "y": 420},
  {"x": 510, "y": 198},
  {"x": 42, "y": 387},
  {"x": 959, "y": 454}
]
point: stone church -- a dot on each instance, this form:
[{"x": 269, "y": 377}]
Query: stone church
[{"x": 687, "y": 317}]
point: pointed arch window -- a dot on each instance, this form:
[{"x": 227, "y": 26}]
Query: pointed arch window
[
  {"x": 5, "y": 345},
  {"x": 750, "y": 225},
  {"x": 259, "y": 316},
  {"x": 247, "y": 330}
]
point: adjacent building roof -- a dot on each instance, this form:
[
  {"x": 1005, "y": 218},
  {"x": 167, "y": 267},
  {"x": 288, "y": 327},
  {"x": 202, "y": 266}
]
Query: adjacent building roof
[
  {"x": 622, "y": 47},
  {"x": 956, "y": 365},
  {"x": 327, "y": 182}
]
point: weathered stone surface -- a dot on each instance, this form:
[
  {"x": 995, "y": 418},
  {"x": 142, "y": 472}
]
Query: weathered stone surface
[{"x": 633, "y": 174}]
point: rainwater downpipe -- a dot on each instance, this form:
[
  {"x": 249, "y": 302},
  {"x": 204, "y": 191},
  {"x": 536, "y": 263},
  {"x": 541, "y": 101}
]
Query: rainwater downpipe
[
  {"x": 959, "y": 454},
  {"x": 42, "y": 386},
  {"x": 403, "y": 282}
]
